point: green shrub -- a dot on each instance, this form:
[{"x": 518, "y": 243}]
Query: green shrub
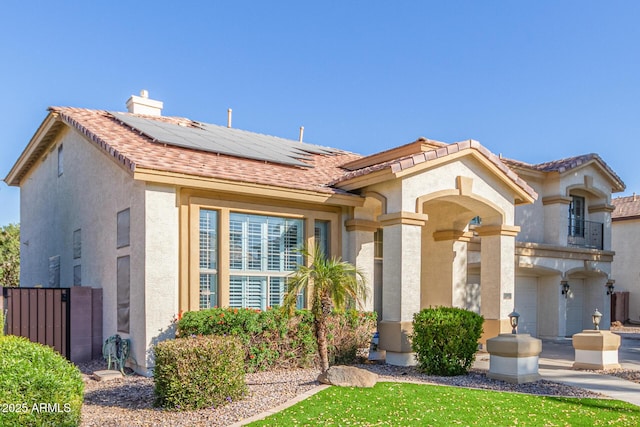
[
  {"x": 38, "y": 387},
  {"x": 273, "y": 340},
  {"x": 445, "y": 340},
  {"x": 199, "y": 372}
]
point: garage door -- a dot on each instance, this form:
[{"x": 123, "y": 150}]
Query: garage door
[
  {"x": 526, "y": 303},
  {"x": 575, "y": 306}
]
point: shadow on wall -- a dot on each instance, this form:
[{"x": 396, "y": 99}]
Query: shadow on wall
[
  {"x": 472, "y": 297},
  {"x": 165, "y": 334}
]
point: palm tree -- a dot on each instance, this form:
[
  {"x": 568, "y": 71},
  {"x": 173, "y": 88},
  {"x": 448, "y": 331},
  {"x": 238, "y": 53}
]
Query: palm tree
[{"x": 331, "y": 283}]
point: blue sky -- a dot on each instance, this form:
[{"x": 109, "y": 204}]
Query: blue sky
[{"x": 533, "y": 80}]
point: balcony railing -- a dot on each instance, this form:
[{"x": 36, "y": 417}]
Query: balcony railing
[{"x": 585, "y": 234}]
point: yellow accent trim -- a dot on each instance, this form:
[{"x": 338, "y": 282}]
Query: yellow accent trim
[
  {"x": 191, "y": 201},
  {"x": 452, "y": 195},
  {"x": 406, "y": 218},
  {"x": 464, "y": 184},
  {"x": 549, "y": 251},
  {"x": 379, "y": 197},
  {"x": 458, "y": 235},
  {"x": 493, "y": 230},
  {"x": 520, "y": 196},
  {"x": 245, "y": 188},
  {"x": 415, "y": 147},
  {"x": 550, "y": 200},
  {"x": 601, "y": 208},
  {"x": 361, "y": 225}
]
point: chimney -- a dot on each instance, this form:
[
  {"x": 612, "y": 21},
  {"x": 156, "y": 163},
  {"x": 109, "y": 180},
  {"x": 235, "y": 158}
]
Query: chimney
[{"x": 143, "y": 105}]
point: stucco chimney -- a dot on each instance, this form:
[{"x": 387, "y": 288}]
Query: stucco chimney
[{"x": 143, "y": 105}]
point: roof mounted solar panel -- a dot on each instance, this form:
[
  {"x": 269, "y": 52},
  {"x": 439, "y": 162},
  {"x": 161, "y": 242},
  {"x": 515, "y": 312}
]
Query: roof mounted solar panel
[{"x": 223, "y": 140}]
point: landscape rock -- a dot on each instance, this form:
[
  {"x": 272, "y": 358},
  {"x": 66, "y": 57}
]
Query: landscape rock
[{"x": 348, "y": 376}]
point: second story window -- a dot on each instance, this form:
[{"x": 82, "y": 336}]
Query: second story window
[
  {"x": 576, "y": 216},
  {"x": 60, "y": 160}
]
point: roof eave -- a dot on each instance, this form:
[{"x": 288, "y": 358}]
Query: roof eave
[
  {"x": 36, "y": 146},
  {"x": 616, "y": 183},
  {"x": 243, "y": 187},
  {"x": 522, "y": 196}
]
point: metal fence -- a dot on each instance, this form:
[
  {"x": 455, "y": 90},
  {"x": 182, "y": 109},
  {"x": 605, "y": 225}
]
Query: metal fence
[{"x": 67, "y": 319}]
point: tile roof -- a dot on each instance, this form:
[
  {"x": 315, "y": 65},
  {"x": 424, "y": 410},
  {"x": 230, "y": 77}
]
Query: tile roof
[
  {"x": 564, "y": 165},
  {"x": 627, "y": 207},
  {"x": 407, "y": 162},
  {"x": 134, "y": 150},
  {"x": 324, "y": 172}
]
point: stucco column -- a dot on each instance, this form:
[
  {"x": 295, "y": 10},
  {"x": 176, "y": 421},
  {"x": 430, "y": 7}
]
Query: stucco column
[
  {"x": 401, "y": 283},
  {"x": 446, "y": 268},
  {"x": 556, "y": 219},
  {"x": 361, "y": 248},
  {"x": 497, "y": 270},
  {"x": 602, "y": 213}
]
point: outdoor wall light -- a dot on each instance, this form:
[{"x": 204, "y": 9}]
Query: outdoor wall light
[
  {"x": 596, "y": 316},
  {"x": 610, "y": 286},
  {"x": 565, "y": 287},
  {"x": 513, "y": 319}
]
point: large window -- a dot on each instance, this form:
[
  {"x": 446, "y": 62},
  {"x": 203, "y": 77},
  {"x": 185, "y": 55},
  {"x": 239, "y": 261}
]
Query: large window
[
  {"x": 576, "y": 216},
  {"x": 262, "y": 252},
  {"x": 208, "y": 258}
]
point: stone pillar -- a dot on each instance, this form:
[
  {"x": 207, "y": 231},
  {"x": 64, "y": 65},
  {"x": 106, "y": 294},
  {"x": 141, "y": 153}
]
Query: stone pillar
[
  {"x": 447, "y": 268},
  {"x": 514, "y": 358},
  {"x": 401, "y": 284},
  {"x": 362, "y": 249},
  {"x": 497, "y": 252},
  {"x": 596, "y": 350}
]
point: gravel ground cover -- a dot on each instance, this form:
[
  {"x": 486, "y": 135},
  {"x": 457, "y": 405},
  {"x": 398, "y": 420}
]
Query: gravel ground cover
[{"x": 129, "y": 401}]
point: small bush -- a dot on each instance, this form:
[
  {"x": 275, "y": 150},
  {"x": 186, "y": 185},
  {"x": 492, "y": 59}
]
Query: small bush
[
  {"x": 273, "y": 340},
  {"x": 349, "y": 331},
  {"x": 38, "y": 387},
  {"x": 445, "y": 340},
  {"x": 199, "y": 372}
]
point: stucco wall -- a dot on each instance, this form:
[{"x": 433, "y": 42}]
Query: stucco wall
[
  {"x": 87, "y": 196},
  {"x": 626, "y": 263},
  {"x": 530, "y": 218},
  {"x": 161, "y": 267}
]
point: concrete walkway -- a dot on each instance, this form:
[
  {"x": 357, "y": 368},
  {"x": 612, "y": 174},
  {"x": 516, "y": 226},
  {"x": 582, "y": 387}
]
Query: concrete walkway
[{"x": 557, "y": 358}]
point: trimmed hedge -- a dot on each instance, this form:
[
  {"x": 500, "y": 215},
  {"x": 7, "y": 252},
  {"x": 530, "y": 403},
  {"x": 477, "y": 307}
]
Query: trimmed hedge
[
  {"x": 199, "y": 372},
  {"x": 273, "y": 340},
  {"x": 445, "y": 340},
  {"x": 38, "y": 387}
]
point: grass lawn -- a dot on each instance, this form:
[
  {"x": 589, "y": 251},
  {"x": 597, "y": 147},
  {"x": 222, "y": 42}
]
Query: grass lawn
[{"x": 402, "y": 404}]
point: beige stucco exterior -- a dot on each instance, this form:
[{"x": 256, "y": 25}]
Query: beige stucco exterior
[
  {"x": 87, "y": 196},
  {"x": 425, "y": 221},
  {"x": 544, "y": 257},
  {"x": 626, "y": 266},
  {"x": 434, "y": 253}
]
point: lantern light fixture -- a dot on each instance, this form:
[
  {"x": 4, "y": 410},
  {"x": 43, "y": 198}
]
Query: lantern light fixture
[
  {"x": 513, "y": 320},
  {"x": 610, "y": 286},
  {"x": 565, "y": 287},
  {"x": 595, "y": 317}
]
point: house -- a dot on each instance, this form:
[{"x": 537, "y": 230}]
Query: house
[
  {"x": 167, "y": 215},
  {"x": 625, "y": 231},
  {"x": 563, "y": 252}
]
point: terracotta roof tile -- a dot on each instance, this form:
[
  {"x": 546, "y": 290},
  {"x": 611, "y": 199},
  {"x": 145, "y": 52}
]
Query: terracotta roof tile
[
  {"x": 626, "y": 207},
  {"x": 410, "y": 161},
  {"x": 566, "y": 164},
  {"x": 134, "y": 150}
]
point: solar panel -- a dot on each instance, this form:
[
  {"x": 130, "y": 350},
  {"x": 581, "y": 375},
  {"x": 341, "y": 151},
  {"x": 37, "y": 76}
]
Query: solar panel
[{"x": 223, "y": 140}]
